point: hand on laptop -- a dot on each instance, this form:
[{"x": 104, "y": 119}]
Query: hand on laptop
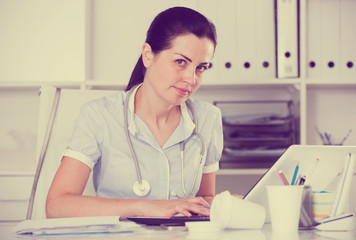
[{"x": 169, "y": 208}]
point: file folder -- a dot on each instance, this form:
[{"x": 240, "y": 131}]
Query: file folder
[
  {"x": 227, "y": 41},
  {"x": 330, "y": 35},
  {"x": 264, "y": 40},
  {"x": 314, "y": 39},
  {"x": 208, "y": 9},
  {"x": 348, "y": 40},
  {"x": 246, "y": 37},
  {"x": 287, "y": 38}
]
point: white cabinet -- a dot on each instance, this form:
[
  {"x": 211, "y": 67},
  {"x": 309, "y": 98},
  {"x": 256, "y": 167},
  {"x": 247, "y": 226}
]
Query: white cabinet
[
  {"x": 15, "y": 191},
  {"x": 19, "y": 109}
]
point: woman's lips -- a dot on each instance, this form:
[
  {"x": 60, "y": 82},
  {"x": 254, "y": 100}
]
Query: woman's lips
[{"x": 182, "y": 91}]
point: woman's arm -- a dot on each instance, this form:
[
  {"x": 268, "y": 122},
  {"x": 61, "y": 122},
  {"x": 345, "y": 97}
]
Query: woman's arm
[
  {"x": 65, "y": 198},
  {"x": 207, "y": 187}
]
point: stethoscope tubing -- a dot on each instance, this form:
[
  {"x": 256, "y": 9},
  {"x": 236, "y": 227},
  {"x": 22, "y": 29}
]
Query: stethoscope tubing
[{"x": 140, "y": 182}]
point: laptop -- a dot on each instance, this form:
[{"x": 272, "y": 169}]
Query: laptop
[
  {"x": 330, "y": 165},
  {"x": 178, "y": 220}
]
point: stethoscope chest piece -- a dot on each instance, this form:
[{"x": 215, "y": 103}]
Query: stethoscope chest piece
[{"x": 141, "y": 189}]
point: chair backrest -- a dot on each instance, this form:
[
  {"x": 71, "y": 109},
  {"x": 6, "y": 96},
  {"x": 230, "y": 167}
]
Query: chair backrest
[{"x": 69, "y": 104}]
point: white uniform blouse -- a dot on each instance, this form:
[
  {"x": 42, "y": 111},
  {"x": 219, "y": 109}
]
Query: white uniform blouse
[{"x": 99, "y": 141}]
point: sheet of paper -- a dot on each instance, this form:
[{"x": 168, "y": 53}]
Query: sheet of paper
[{"x": 74, "y": 225}]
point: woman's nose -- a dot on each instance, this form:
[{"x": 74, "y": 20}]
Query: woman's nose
[{"x": 190, "y": 76}]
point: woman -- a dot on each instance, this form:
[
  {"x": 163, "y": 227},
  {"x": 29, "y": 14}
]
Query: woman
[{"x": 156, "y": 117}]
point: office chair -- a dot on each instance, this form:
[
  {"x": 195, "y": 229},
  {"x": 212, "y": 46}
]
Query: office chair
[{"x": 58, "y": 111}]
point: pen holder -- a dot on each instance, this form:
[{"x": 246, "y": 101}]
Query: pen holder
[
  {"x": 306, "y": 212},
  {"x": 322, "y": 204}
]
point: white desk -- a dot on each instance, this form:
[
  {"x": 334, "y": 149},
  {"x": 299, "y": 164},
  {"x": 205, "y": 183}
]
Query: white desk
[{"x": 155, "y": 233}]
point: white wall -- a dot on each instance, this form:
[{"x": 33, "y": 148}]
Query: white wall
[{"x": 42, "y": 40}]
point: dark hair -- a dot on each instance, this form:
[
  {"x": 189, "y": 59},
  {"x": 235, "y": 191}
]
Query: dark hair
[{"x": 168, "y": 25}]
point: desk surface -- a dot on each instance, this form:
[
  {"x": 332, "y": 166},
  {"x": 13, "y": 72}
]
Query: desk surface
[{"x": 180, "y": 233}]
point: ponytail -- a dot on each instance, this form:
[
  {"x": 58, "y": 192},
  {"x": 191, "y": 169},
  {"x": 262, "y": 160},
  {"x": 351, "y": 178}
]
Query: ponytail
[{"x": 137, "y": 74}]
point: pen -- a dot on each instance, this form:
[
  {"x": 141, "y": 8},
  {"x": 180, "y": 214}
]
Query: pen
[
  {"x": 279, "y": 177},
  {"x": 316, "y": 162},
  {"x": 298, "y": 179},
  {"x": 344, "y": 139},
  {"x": 295, "y": 174},
  {"x": 302, "y": 180},
  {"x": 320, "y": 134},
  {"x": 328, "y": 138},
  {"x": 284, "y": 179}
]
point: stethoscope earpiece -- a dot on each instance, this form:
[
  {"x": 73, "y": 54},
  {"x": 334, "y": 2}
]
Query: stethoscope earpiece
[{"x": 141, "y": 189}]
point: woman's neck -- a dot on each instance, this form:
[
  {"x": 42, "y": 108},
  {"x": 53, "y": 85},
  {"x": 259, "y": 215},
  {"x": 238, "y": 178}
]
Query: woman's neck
[{"x": 161, "y": 118}]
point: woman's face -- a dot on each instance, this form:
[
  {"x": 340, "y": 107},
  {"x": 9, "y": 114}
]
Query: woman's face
[{"x": 176, "y": 73}]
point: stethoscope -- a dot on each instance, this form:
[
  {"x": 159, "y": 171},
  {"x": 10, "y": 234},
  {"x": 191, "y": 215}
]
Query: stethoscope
[{"x": 142, "y": 187}]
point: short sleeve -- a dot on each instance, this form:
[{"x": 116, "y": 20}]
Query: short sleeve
[
  {"x": 84, "y": 144},
  {"x": 215, "y": 146}
]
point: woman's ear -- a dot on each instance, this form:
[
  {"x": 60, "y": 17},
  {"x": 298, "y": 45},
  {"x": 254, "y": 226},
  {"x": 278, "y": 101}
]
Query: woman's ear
[{"x": 147, "y": 55}]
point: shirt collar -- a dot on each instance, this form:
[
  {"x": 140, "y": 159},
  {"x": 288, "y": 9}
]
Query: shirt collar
[
  {"x": 131, "y": 111},
  {"x": 188, "y": 122}
]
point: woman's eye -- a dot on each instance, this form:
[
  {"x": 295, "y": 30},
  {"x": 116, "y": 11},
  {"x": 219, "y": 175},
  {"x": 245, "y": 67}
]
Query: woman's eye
[
  {"x": 180, "y": 62},
  {"x": 201, "y": 68}
]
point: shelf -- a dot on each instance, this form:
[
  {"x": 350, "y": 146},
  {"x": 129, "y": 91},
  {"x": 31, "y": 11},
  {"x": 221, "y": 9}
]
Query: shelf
[
  {"x": 5, "y": 173},
  {"x": 317, "y": 82},
  {"x": 100, "y": 84},
  {"x": 111, "y": 84},
  {"x": 266, "y": 82},
  {"x": 36, "y": 84}
]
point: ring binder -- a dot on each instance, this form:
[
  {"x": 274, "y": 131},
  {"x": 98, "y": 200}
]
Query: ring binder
[{"x": 287, "y": 38}]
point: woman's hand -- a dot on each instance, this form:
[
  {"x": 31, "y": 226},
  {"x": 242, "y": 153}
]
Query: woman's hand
[{"x": 169, "y": 208}]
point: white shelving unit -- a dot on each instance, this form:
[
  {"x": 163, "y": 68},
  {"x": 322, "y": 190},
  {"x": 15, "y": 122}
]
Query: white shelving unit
[{"x": 104, "y": 39}]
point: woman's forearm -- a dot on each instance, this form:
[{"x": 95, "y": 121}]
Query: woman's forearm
[{"x": 71, "y": 205}]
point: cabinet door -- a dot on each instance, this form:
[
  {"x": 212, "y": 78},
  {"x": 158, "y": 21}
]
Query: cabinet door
[{"x": 15, "y": 192}]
